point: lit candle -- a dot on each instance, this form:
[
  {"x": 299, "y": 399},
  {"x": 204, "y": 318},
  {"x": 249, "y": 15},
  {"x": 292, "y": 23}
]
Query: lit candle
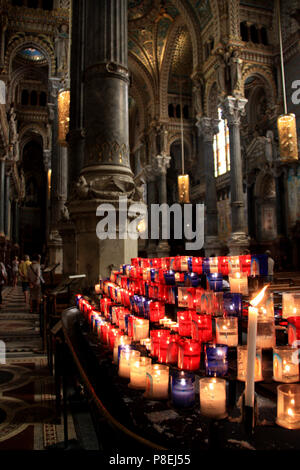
[
  {"x": 213, "y": 397},
  {"x": 251, "y": 350},
  {"x": 216, "y": 362},
  {"x": 97, "y": 289},
  {"x": 126, "y": 356},
  {"x": 184, "y": 320},
  {"x": 290, "y": 304},
  {"x": 285, "y": 364},
  {"x": 227, "y": 331},
  {"x": 189, "y": 354},
  {"x": 140, "y": 329},
  {"x": 138, "y": 369},
  {"x": 239, "y": 283},
  {"x": 183, "y": 389},
  {"x": 120, "y": 341},
  {"x": 242, "y": 364},
  {"x": 288, "y": 406},
  {"x": 157, "y": 381},
  {"x": 201, "y": 327}
]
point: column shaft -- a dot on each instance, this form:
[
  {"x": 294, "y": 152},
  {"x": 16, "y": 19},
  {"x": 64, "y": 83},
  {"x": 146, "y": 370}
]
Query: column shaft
[{"x": 2, "y": 197}]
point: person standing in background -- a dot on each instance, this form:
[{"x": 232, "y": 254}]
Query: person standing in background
[
  {"x": 23, "y": 268},
  {"x": 15, "y": 270},
  {"x": 34, "y": 278}
]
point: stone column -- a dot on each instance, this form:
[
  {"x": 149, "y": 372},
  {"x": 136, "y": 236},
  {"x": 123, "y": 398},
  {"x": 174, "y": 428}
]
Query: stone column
[
  {"x": 232, "y": 110},
  {"x": 58, "y": 181},
  {"x": 162, "y": 163},
  {"x": 76, "y": 132},
  {"x": 151, "y": 199},
  {"x": 7, "y": 206},
  {"x": 106, "y": 174},
  {"x": 2, "y": 197},
  {"x": 208, "y": 127}
]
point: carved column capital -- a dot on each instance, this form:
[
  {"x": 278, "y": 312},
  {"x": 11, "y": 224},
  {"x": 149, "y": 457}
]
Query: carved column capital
[
  {"x": 149, "y": 173},
  {"x": 233, "y": 109},
  {"x": 208, "y": 127},
  {"x": 162, "y": 163}
]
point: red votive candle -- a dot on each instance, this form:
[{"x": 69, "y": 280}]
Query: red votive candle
[
  {"x": 156, "y": 310},
  {"x": 163, "y": 343},
  {"x": 112, "y": 335},
  {"x": 172, "y": 353},
  {"x": 189, "y": 354},
  {"x": 294, "y": 331},
  {"x": 155, "y": 336},
  {"x": 184, "y": 320},
  {"x": 201, "y": 327}
]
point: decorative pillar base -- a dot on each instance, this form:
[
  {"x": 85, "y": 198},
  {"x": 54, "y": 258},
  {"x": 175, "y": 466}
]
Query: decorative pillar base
[
  {"x": 163, "y": 249},
  {"x": 212, "y": 246},
  {"x": 237, "y": 243},
  {"x": 95, "y": 257},
  {"x": 55, "y": 248}
]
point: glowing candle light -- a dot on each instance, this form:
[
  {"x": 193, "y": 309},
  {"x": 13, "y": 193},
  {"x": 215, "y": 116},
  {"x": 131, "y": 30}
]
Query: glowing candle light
[
  {"x": 213, "y": 397},
  {"x": 251, "y": 350}
]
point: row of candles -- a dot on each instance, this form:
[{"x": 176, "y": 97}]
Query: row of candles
[
  {"x": 251, "y": 264},
  {"x": 167, "y": 347}
]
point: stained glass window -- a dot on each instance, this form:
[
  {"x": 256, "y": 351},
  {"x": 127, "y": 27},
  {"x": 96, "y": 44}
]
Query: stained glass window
[{"x": 221, "y": 147}]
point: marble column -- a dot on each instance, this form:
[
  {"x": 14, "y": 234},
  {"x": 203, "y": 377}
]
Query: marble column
[
  {"x": 232, "y": 110},
  {"x": 162, "y": 163},
  {"x": 106, "y": 174},
  {"x": 208, "y": 127},
  {"x": 151, "y": 199},
  {"x": 2, "y": 197}
]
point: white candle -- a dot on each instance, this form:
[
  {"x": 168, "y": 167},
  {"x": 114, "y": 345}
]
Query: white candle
[
  {"x": 97, "y": 289},
  {"x": 251, "y": 348},
  {"x": 140, "y": 329},
  {"x": 138, "y": 369},
  {"x": 119, "y": 340},
  {"x": 126, "y": 356},
  {"x": 239, "y": 283},
  {"x": 227, "y": 331},
  {"x": 288, "y": 406},
  {"x": 157, "y": 381},
  {"x": 212, "y": 392}
]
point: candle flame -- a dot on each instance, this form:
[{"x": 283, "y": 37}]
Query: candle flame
[
  {"x": 290, "y": 412},
  {"x": 254, "y": 302}
]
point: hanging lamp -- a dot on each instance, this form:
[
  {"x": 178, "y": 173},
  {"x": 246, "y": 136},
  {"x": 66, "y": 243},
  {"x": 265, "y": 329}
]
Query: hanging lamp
[
  {"x": 286, "y": 123},
  {"x": 183, "y": 179}
]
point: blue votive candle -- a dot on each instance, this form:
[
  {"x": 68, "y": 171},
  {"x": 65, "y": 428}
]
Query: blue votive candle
[
  {"x": 169, "y": 278},
  {"x": 216, "y": 362},
  {"x": 183, "y": 389}
]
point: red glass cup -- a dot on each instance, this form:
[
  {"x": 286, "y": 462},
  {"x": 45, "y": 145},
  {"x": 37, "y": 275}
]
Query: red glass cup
[
  {"x": 184, "y": 320},
  {"x": 172, "y": 352},
  {"x": 201, "y": 327},
  {"x": 189, "y": 352},
  {"x": 294, "y": 331},
  {"x": 163, "y": 344},
  {"x": 155, "y": 336}
]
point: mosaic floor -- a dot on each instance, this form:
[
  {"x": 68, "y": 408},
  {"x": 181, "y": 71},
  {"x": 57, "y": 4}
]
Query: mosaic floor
[{"x": 28, "y": 416}]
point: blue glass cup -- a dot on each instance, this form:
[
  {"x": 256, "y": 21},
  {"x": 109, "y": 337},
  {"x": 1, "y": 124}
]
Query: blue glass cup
[
  {"x": 183, "y": 389},
  {"x": 216, "y": 360}
]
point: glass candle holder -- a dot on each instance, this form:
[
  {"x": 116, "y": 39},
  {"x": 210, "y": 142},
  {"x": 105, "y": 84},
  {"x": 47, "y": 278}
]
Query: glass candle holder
[
  {"x": 172, "y": 351},
  {"x": 120, "y": 341},
  {"x": 169, "y": 278},
  {"x": 232, "y": 304},
  {"x": 288, "y": 406},
  {"x": 140, "y": 329},
  {"x": 285, "y": 364},
  {"x": 213, "y": 397},
  {"x": 242, "y": 364},
  {"x": 238, "y": 283},
  {"x": 189, "y": 352},
  {"x": 157, "y": 382},
  {"x": 201, "y": 327},
  {"x": 216, "y": 362},
  {"x": 184, "y": 320},
  {"x": 163, "y": 346},
  {"x": 138, "y": 368},
  {"x": 127, "y": 355},
  {"x": 290, "y": 304},
  {"x": 265, "y": 337},
  {"x": 227, "y": 331},
  {"x": 112, "y": 335},
  {"x": 147, "y": 343},
  {"x": 155, "y": 336},
  {"x": 294, "y": 331},
  {"x": 215, "y": 281},
  {"x": 183, "y": 389}
]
